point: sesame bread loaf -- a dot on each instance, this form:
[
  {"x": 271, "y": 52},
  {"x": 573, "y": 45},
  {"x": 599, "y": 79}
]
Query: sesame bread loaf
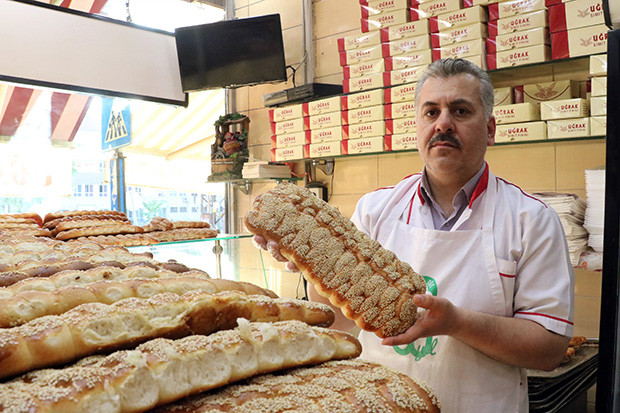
[{"x": 369, "y": 284}]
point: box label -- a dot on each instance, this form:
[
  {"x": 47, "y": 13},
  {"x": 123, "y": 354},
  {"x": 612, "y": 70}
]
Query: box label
[{"x": 362, "y": 99}]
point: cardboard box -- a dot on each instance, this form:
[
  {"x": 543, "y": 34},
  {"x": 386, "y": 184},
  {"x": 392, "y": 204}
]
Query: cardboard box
[
  {"x": 324, "y": 135},
  {"x": 400, "y": 126},
  {"x": 401, "y": 142},
  {"x": 320, "y": 150},
  {"x": 285, "y": 113},
  {"x": 479, "y": 60},
  {"x": 287, "y": 126},
  {"x": 362, "y": 69},
  {"x": 503, "y": 96},
  {"x": 476, "y": 31},
  {"x": 287, "y": 154},
  {"x": 419, "y": 58},
  {"x": 364, "y": 145},
  {"x": 379, "y": 21},
  {"x": 598, "y": 106},
  {"x": 517, "y": 23},
  {"x": 598, "y": 65},
  {"x": 598, "y": 126},
  {"x": 575, "y": 14},
  {"x": 362, "y": 99},
  {"x": 400, "y": 110},
  {"x": 289, "y": 139},
  {"x": 564, "y": 109},
  {"x": 526, "y": 131},
  {"x": 568, "y": 128},
  {"x": 367, "y": 54},
  {"x": 362, "y": 115},
  {"x": 320, "y": 106},
  {"x": 383, "y": 6},
  {"x": 547, "y": 91},
  {"x": 458, "y": 18},
  {"x": 402, "y": 76},
  {"x": 400, "y": 93},
  {"x": 356, "y": 84},
  {"x": 523, "y": 56},
  {"x": 516, "y": 40},
  {"x": 406, "y": 45},
  {"x": 579, "y": 42},
  {"x": 516, "y": 113},
  {"x": 514, "y": 7},
  {"x": 460, "y": 50},
  {"x": 363, "y": 130},
  {"x": 552, "y": 2},
  {"x": 598, "y": 86},
  {"x": 359, "y": 41},
  {"x": 326, "y": 120},
  {"x": 435, "y": 7},
  {"x": 401, "y": 31}
]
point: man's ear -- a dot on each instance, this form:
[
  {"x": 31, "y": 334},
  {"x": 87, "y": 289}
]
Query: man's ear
[{"x": 491, "y": 131}]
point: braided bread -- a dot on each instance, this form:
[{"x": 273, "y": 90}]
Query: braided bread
[
  {"x": 64, "y": 214},
  {"x": 369, "y": 284}
]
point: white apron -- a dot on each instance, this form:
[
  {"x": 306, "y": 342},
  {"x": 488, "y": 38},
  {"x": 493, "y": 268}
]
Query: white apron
[{"x": 464, "y": 379}]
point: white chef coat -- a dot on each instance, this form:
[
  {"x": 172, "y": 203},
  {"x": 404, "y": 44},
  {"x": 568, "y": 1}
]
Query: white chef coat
[{"x": 511, "y": 250}]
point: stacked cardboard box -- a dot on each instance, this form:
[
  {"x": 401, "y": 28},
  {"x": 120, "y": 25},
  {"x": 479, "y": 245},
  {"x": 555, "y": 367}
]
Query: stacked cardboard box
[
  {"x": 287, "y": 133},
  {"x": 323, "y": 126},
  {"x": 598, "y": 95}
]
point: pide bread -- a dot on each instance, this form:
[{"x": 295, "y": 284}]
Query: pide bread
[
  {"x": 76, "y": 218},
  {"x": 64, "y": 214},
  {"x": 120, "y": 228},
  {"x": 164, "y": 370},
  {"x": 368, "y": 282},
  {"x": 335, "y": 386}
]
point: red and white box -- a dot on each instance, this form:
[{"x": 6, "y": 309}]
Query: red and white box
[
  {"x": 379, "y": 21},
  {"x": 476, "y": 31},
  {"x": 552, "y": 2},
  {"x": 321, "y": 106},
  {"x": 419, "y": 58},
  {"x": 598, "y": 126},
  {"x": 517, "y": 40},
  {"x": 598, "y": 106},
  {"x": 460, "y": 50},
  {"x": 363, "y": 130},
  {"x": 598, "y": 65},
  {"x": 518, "y": 23},
  {"x": 285, "y": 113},
  {"x": 326, "y": 120},
  {"x": 365, "y": 68},
  {"x": 320, "y": 150},
  {"x": 356, "y": 84},
  {"x": 526, "y": 131},
  {"x": 598, "y": 86},
  {"x": 364, "y": 145},
  {"x": 517, "y": 57},
  {"x": 564, "y": 109},
  {"x": 458, "y": 18},
  {"x": 399, "y": 77},
  {"x": 485, "y": 2},
  {"x": 359, "y": 41},
  {"x": 401, "y": 142},
  {"x": 289, "y": 139},
  {"x": 367, "y": 54},
  {"x": 287, "y": 126},
  {"x": 514, "y": 7},
  {"x": 575, "y": 14},
  {"x": 400, "y": 110},
  {"x": 402, "y": 93},
  {"x": 568, "y": 128},
  {"x": 579, "y": 42},
  {"x": 362, "y": 115},
  {"x": 434, "y": 7},
  {"x": 375, "y": 7},
  {"x": 406, "y": 45},
  {"x": 288, "y": 153},
  {"x": 400, "y": 126},
  {"x": 546, "y": 91},
  {"x": 503, "y": 96},
  {"x": 516, "y": 113},
  {"x": 401, "y": 31},
  {"x": 324, "y": 135},
  {"x": 362, "y": 99}
]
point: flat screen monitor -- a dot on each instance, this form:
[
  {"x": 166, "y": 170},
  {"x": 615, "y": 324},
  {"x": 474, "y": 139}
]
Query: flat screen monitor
[{"x": 231, "y": 53}]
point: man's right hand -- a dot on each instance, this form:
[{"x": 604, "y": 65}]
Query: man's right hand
[{"x": 274, "y": 249}]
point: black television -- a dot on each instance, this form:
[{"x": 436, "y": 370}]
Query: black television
[{"x": 231, "y": 53}]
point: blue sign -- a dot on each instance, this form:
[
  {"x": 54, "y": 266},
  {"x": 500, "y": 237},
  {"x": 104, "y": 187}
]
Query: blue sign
[{"x": 115, "y": 126}]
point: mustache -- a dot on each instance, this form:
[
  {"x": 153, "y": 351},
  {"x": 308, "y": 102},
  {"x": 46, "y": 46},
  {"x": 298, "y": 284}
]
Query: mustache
[{"x": 445, "y": 137}]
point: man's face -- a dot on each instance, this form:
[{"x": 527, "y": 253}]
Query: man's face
[{"x": 453, "y": 133}]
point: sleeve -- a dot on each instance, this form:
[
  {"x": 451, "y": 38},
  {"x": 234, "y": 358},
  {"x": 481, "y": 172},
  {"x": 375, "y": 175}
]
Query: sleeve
[{"x": 545, "y": 280}]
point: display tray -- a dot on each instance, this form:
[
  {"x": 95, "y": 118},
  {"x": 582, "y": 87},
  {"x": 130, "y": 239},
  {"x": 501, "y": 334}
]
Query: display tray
[
  {"x": 564, "y": 395},
  {"x": 583, "y": 355}
]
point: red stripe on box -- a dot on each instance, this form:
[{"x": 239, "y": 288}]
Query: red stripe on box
[
  {"x": 345, "y": 132},
  {"x": 389, "y": 126},
  {"x": 492, "y": 29},
  {"x": 341, "y": 44},
  {"x": 518, "y": 94},
  {"x": 387, "y": 142},
  {"x": 273, "y": 155},
  {"x": 435, "y": 40},
  {"x": 271, "y": 115},
  {"x": 491, "y": 44},
  {"x": 308, "y": 138},
  {"x": 345, "y": 117},
  {"x": 436, "y": 54},
  {"x": 493, "y": 11},
  {"x": 434, "y": 23},
  {"x": 345, "y": 86},
  {"x": 468, "y": 3},
  {"x": 552, "y": 2},
  {"x": 385, "y": 35},
  {"x": 364, "y": 11},
  {"x": 305, "y": 109},
  {"x": 388, "y": 111},
  {"x": 344, "y": 147},
  {"x": 557, "y": 18},
  {"x": 385, "y": 49},
  {"x": 343, "y": 58},
  {"x": 344, "y": 102},
  {"x": 559, "y": 45},
  {"x": 491, "y": 61},
  {"x": 414, "y": 13},
  {"x": 389, "y": 64},
  {"x": 274, "y": 142},
  {"x": 364, "y": 25},
  {"x": 387, "y": 79},
  {"x": 387, "y": 95},
  {"x": 273, "y": 128},
  {"x": 307, "y": 123},
  {"x": 306, "y": 151},
  {"x": 346, "y": 72}
]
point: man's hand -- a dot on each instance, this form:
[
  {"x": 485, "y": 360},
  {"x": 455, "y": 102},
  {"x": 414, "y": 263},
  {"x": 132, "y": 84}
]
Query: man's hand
[{"x": 274, "y": 249}]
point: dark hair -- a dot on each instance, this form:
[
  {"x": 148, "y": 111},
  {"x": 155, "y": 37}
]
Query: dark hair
[{"x": 445, "y": 68}]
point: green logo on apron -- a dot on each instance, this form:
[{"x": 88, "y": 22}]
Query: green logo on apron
[{"x": 421, "y": 351}]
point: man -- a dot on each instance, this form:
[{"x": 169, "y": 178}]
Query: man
[{"x": 500, "y": 283}]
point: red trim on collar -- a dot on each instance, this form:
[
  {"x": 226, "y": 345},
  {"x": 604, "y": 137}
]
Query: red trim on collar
[
  {"x": 481, "y": 186},
  {"x": 419, "y": 193}
]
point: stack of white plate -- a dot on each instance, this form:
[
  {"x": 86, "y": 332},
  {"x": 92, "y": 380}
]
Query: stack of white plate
[{"x": 595, "y": 210}]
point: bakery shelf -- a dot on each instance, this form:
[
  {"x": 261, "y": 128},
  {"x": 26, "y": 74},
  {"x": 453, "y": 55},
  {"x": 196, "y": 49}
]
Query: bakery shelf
[{"x": 245, "y": 184}]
